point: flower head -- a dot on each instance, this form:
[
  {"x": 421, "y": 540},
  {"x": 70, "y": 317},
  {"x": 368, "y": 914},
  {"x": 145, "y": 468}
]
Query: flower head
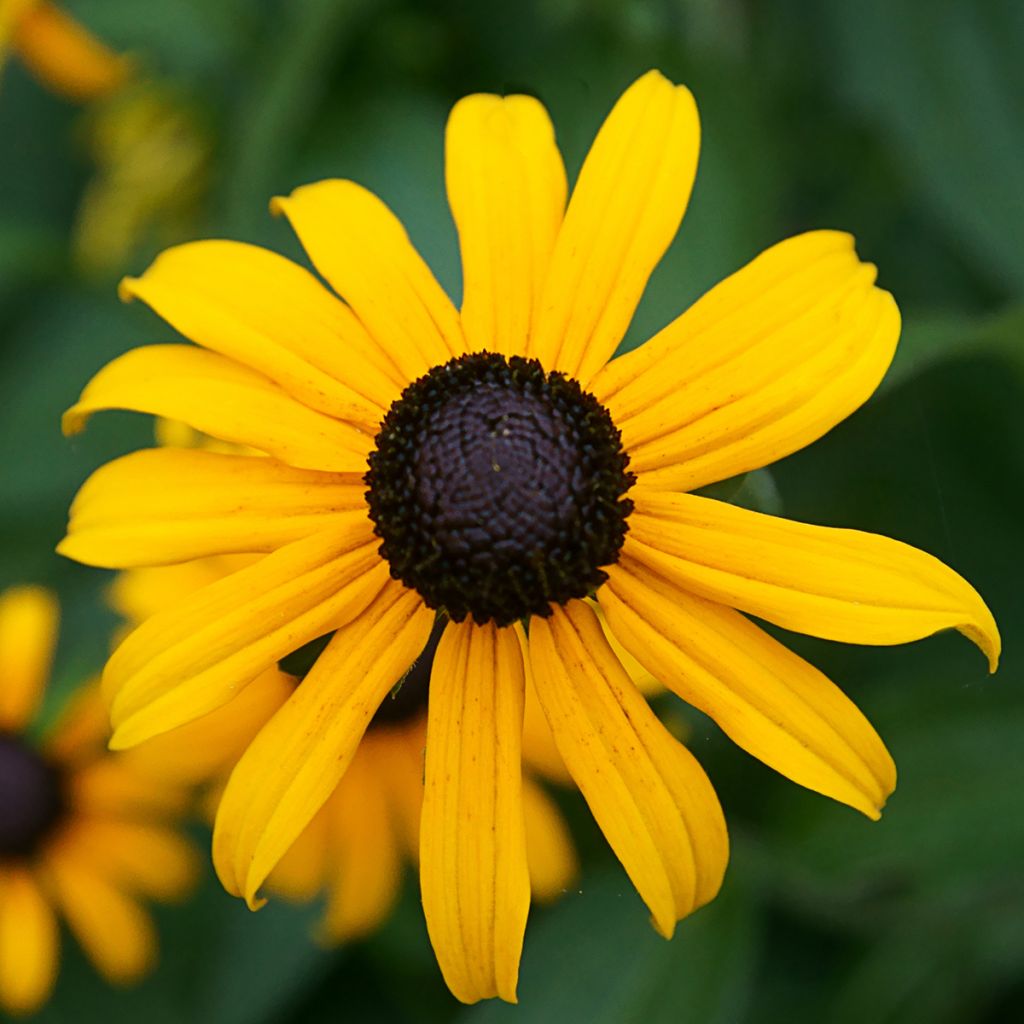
[
  {"x": 82, "y": 833},
  {"x": 502, "y": 443}
]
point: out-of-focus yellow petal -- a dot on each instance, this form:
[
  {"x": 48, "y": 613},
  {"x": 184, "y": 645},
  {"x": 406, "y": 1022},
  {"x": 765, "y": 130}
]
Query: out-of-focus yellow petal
[
  {"x": 111, "y": 787},
  {"x": 302, "y": 872},
  {"x": 473, "y": 871},
  {"x": 170, "y": 505},
  {"x": 29, "y": 943},
  {"x": 225, "y": 399},
  {"x": 767, "y": 699},
  {"x": 623, "y": 214},
  {"x": 294, "y": 764},
  {"x": 365, "y": 868},
  {"x": 506, "y": 187},
  {"x": 138, "y": 593},
  {"x": 208, "y": 747},
  {"x": 362, "y": 250},
  {"x": 651, "y": 799},
  {"x": 191, "y": 659},
  {"x": 116, "y": 933},
  {"x": 262, "y": 310},
  {"x": 540, "y": 752},
  {"x": 549, "y": 850},
  {"x": 146, "y": 859},
  {"x": 397, "y": 754},
  {"x": 764, "y": 364},
  {"x": 838, "y": 584},
  {"x": 28, "y": 635},
  {"x": 82, "y": 728},
  {"x": 64, "y": 55}
]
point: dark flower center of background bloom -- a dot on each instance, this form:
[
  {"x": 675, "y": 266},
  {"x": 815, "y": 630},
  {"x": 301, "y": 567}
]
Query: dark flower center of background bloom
[
  {"x": 497, "y": 489},
  {"x": 32, "y": 798}
]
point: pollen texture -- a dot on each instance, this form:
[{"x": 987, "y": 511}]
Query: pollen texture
[{"x": 498, "y": 489}]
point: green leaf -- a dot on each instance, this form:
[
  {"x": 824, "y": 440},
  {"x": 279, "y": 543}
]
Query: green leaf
[
  {"x": 595, "y": 958},
  {"x": 944, "y": 81}
]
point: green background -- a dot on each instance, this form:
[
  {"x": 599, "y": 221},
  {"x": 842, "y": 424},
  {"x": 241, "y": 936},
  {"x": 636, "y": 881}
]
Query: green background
[{"x": 902, "y": 123}]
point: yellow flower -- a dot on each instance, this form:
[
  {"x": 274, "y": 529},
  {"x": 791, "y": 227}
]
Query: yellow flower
[
  {"x": 81, "y": 832},
  {"x": 353, "y": 848},
  {"x": 497, "y": 491},
  {"x": 59, "y": 51}
]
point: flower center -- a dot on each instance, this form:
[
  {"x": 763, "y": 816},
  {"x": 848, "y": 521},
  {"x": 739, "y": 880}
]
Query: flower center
[
  {"x": 32, "y": 798},
  {"x": 497, "y": 489}
]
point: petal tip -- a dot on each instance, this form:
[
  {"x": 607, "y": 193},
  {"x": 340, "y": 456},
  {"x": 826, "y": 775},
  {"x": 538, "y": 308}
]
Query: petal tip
[{"x": 127, "y": 289}]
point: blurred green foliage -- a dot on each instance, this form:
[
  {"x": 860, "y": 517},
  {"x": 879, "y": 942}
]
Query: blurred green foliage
[{"x": 903, "y": 123}]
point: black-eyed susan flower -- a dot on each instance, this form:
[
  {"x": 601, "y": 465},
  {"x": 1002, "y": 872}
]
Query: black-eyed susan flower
[
  {"x": 59, "y": 51},
  {"x": 82, "y": 833},
  {"x": 498, "y": 464},
  {"x": 354, "y": 847}
]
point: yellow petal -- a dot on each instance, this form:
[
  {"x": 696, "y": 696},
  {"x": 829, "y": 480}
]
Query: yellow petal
[
  {"x": 29, "y": 943},
  {"x": 365, "y": 868},
  {"x": 262, "y": 310},
  {"x": 398, "y": 753},
  {"x": 82, "y": 728},
  {"x": 225, "y": 399},
  {"x": 540, "y": 752},
  {"x": 473, "y": 871},
  {"x": 28, "y": 636},
  {"x": 506, "y": 187},
  {"x": 115, "y": 932},
  {"x": 111, "y": 787},
  {"x": 362, "y": 250},
  {"x": 549, "y": 849},
  {"x": 761, "y": 366},
  {"x": 171, "y": 505},
  {"x": 293, "y": 765},
  {"x": 65, "y": 55},
  {"x": 146, "y": 859},
  {"x": 623, "y": 214},
  {"x": 838, "y": 584},
  {"x": 651, "y": 799},
  {"x": 189, "y": 660},
  {"x": 765, "y": 698}
]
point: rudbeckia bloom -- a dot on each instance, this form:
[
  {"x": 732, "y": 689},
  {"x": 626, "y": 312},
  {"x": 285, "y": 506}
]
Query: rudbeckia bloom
[
  {"x": 354, "y": 847},
  {"x": 59, "y": 51},
  {"x": 497, "y": 463},
  {"x": 82, "y": 834}
]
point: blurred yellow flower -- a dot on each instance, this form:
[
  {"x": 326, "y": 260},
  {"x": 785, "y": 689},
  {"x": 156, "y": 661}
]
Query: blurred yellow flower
[
  {"x": 60, "y": 52},
  {"x": 83, "y": 834},
  {"x": 502, "y": 441}
]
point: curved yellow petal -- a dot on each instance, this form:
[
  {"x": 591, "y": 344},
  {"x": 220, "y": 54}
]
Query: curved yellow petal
[
  {"x": 294, "y": 764},
  {"x": 191, "y": 659},
  {"x": 225, "y": 399},
  {"x": 362, "y": 250},
  {"x": 473, "y": 871},
  {"x": 260, "y": 309},
  {"x": 764, "y": 364},
  {"x": 64, "y": 55},
  {"x": 506, "y": 187},
  {"x": 540, "y": 752},
  {"x": 168, "y": 505},
  {"x": 623, "y": 214},
  {"x": 765, "y": 698},
  {"x": 549, "y": 849},
  {"x": 29, "y": 943},
  {"x": 838, "y": 584},
  {"x": 143, "y": 858},
  {"x": 651, "y": 799},
  {"x": 365, "y": 867},
  {"x": 116, "y": 933},
  {"x": 29, "y": 617}
]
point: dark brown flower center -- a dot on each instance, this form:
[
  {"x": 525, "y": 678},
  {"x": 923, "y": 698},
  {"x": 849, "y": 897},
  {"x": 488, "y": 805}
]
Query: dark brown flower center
[
  {"x": 497, "y": 489},
  {"x": 32, "y": 798}
]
